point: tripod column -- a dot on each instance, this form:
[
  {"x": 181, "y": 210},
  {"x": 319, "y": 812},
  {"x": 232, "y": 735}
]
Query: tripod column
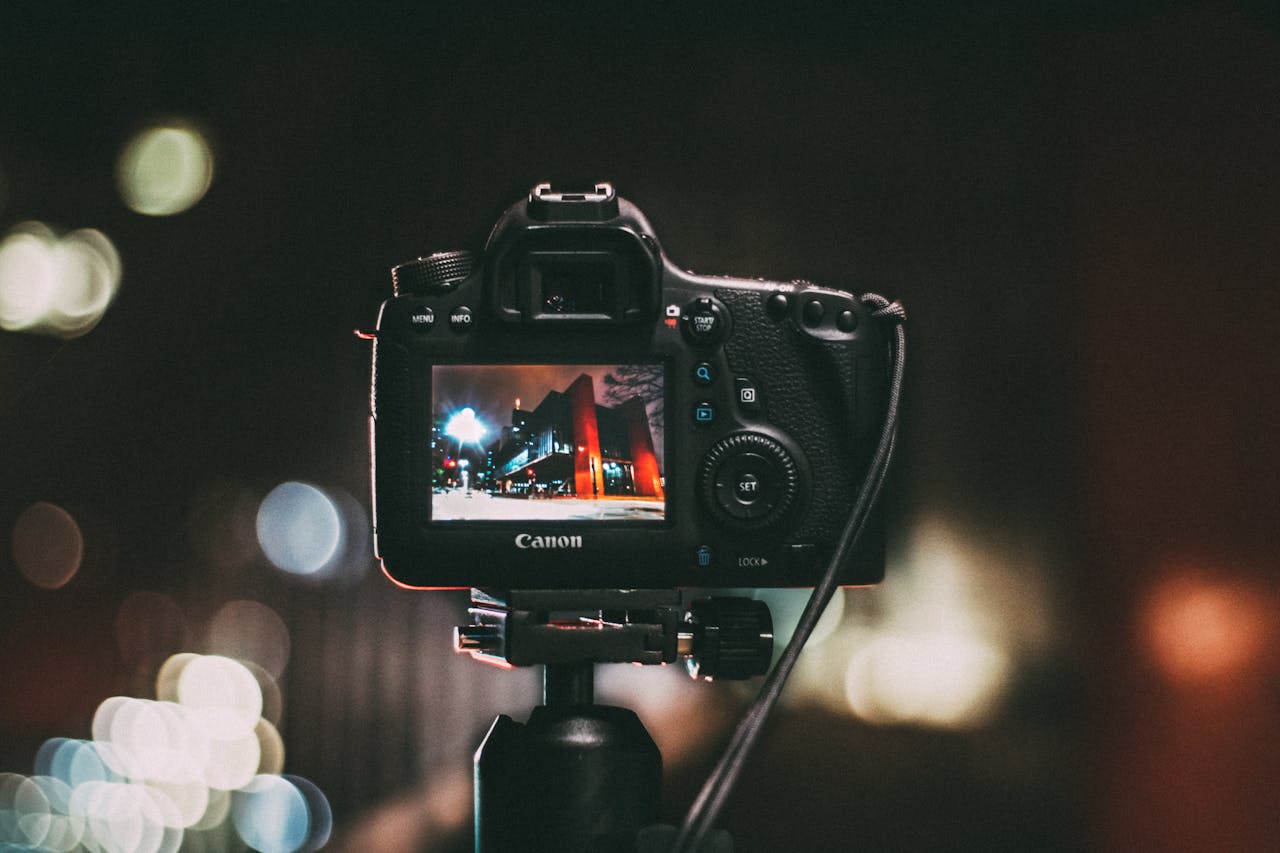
[{"x": 576, "y": 777}]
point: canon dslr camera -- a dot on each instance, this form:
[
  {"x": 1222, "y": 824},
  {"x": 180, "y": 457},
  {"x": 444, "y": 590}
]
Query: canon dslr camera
[{"x": 570, "y": 410}]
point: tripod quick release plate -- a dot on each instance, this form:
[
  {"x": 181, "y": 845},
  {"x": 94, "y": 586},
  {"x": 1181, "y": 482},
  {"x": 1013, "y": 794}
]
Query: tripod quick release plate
[{"x": 718, "y": 637}]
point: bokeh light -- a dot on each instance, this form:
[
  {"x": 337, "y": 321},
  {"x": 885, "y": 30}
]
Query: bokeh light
[
  {"x": 54, "y": 285},
  {"x": 165, "y": 169},
  {"x": 271, "y": 815},
  {"x": 24, "y": 810},
  {"x": 224, "y": 694},
  {"x": 321, "y": 534},
  {"x": 48, "y": 546},
  {"x": 299, "y": 528},
  {"x": 64, "y": 831},
  {"x": 939, "y": 644},
  {"x": 270, "y": 748},
  {"x": 162, "y": 776},
  {"x": 1203, "y": 630},
  {"x": 940, "y": 680},
  {"x": 320, "y": 827},
  {"x": 249, "y": 630}
]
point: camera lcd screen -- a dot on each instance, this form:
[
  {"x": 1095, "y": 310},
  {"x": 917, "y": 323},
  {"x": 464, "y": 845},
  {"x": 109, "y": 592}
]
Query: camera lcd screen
[{"x": 547, "y": 442}]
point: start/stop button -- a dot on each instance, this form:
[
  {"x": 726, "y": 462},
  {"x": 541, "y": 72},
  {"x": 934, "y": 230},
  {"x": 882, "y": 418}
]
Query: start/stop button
[{"x": 704, "y": 321}]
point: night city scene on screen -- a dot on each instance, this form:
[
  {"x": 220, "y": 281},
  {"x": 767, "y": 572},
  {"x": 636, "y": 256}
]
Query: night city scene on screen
[{"x": 547, "y": 442}]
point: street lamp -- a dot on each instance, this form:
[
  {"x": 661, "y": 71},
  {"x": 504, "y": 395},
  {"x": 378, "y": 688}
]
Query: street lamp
[{"x": 465, "y": 428}]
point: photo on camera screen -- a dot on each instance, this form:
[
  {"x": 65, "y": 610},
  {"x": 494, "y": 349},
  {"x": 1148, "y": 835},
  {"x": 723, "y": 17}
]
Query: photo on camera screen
[{"x": 547, "y": 442}]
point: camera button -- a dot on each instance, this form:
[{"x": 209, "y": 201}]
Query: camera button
[
  {"x": 747, "y": 489},
  {"x": 704, "y": 373},
  {"x": 704, "y": 413},
  {"x": 704, "y": 321},
  {"x": 460, "y": 319},
  {"x": 777, "y": 306},
  {"x": 747, "y": 393},
  {"x": 422, "y": 319},
  {"x": 813, "y": 313}
]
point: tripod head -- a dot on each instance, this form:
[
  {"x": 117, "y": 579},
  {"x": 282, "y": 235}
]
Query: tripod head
[
  {"x": 717, "y": 637},
  {"x": 579, "y": 776}
]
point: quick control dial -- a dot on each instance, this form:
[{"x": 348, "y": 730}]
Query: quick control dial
[{"x": 748, "y": 481}]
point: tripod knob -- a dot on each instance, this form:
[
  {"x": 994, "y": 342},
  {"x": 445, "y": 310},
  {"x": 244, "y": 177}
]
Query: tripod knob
[
  {"x": 435, "y": 274},
  {"x": 732, "y": 638}
]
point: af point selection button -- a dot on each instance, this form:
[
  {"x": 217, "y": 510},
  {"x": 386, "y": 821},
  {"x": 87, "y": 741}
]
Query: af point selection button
[{"x": 461, "y": 319}]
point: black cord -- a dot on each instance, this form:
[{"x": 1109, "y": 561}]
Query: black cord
[{"x": 715, "y": 791}]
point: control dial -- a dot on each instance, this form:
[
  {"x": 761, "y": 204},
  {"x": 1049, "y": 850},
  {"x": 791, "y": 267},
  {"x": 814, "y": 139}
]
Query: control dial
[
  {"x": 748, "y": 481},
  {"x": 435, "y": 274}
]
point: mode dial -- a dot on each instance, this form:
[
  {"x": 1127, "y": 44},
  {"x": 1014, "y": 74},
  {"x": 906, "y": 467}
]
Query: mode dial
[
  {"x": 435, "y": 274},
  {"x": 748, "y": 480}
]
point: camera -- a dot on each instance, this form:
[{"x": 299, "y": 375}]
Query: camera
[{"x": 568, "y": 409}]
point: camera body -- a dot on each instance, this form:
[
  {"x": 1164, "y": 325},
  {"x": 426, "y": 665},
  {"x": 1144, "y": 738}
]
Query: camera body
[{"x": 570, "y": 410}]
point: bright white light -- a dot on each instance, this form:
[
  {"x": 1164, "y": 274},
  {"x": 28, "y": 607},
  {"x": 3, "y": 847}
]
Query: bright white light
[
  {"x": 47, "y": 545},
  {"x": 233, "y": 762},
  {"x": 948, "y": 681},
  {"x": 119, "y": 817},
  {"x": 190, "y": 801},
  {"x": 271, "y": 815},
  {"x": 165, "y": 170},
  {"x": 299, "y": 528},
  {"x": 59, "y": 286},
  {"x": 466, "y": 427},
  {"x": 223, "y": 695}
]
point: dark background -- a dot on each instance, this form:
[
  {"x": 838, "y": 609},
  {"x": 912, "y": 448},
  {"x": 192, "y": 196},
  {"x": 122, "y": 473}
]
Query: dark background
[{"x": 1079, "y": 205}]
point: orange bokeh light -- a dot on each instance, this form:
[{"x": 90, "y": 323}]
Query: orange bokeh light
[{"x": 1204, "y": 629}]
